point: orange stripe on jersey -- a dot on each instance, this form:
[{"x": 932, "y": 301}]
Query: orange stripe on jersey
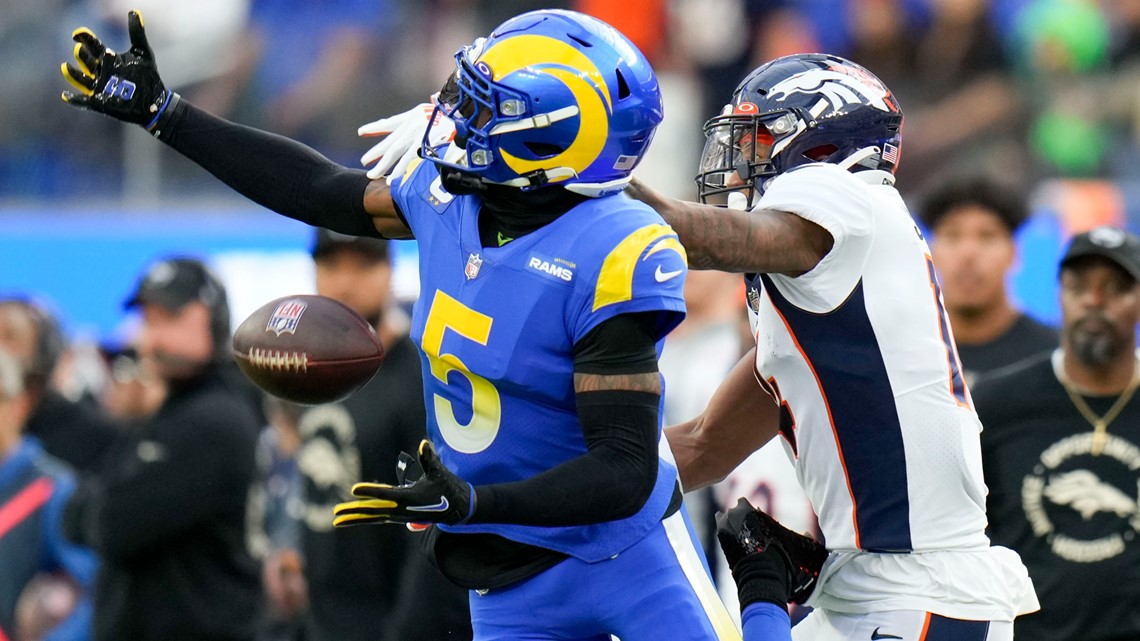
[
  {"x": 925, "y": 628},
  {"x": 830, "y": 420},
  {"x": 953, "y": 362}
]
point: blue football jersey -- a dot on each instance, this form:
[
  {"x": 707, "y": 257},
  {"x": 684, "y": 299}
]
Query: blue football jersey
[{"x": 497, "y": 326}]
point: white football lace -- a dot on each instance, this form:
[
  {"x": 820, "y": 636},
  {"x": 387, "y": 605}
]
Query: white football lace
[{"x": 277, "y": 360}]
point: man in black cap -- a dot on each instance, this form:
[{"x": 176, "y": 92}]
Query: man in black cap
[
  {"x": 1061, "y": 451},
  {"x": 167, "y": 513},
  {"x": 367, "y": 583}
]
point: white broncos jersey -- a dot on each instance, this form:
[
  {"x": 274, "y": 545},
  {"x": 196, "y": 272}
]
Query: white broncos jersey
[{"x": 876, "y": 414}]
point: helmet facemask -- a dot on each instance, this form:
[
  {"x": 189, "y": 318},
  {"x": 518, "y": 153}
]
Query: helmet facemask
[
  {"x": 483, "y": 112},
  {"x": 737, "y": 162}
]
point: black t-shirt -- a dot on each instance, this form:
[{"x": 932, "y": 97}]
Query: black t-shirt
[
  {"x": 1026, "y": 338},
  {"x": 354, "y": 573},
  {"x": 1072, "y": 515}
]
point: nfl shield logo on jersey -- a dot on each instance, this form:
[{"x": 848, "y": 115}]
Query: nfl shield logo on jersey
[
  {"x": 474, "y": 262},
  {"x": 286, "y": 316}
]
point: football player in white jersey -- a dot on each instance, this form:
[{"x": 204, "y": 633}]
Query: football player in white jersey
[{"x": 855, "y": 365}]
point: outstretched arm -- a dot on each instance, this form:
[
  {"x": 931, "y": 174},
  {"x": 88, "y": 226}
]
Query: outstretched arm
[
  {"x": 740, "y": 419},
  {"x": 764, "y": 241},
  {"x": 283, "y": 175},
  {"x": 274, "y": 171}
]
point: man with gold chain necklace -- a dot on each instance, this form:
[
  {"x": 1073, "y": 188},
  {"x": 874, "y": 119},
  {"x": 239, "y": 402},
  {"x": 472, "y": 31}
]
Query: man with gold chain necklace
[{"x": 1061, "y": 451}]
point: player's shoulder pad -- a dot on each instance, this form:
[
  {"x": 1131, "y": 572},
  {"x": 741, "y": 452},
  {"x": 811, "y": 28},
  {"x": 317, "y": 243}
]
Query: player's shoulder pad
[
  {"x": 421, "y": 184},
  {"x": 825, "y": 194},
  {"x": 638, "y": 255}
]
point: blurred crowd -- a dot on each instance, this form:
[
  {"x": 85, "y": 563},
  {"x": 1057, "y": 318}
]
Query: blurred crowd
[{"x": 1030, "y": 89}]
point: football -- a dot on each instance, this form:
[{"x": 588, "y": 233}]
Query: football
[{"x": 307, "y": 349}]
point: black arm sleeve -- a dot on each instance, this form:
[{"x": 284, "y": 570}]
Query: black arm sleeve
[
  {"x": 617, "y": 474},
  {"x": 273, "y": 171}
]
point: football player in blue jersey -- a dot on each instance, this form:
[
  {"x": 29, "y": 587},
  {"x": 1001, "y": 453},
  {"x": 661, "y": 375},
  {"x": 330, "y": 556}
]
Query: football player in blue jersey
[{"x": 545, "y": 297}]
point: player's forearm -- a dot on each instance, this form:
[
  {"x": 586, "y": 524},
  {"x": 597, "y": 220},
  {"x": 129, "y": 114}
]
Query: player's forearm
[
  {"x": 740, "y": 418},
  {"x": 613, "y": 480},
  {"x": 738, "y": 241},
  {"x": 276, "y": 172}
]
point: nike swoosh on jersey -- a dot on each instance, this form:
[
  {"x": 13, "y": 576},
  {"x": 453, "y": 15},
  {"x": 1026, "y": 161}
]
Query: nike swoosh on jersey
[
  {"x": 875, "y": 636},
  {"x": 664, "y": 276},
  {"x": 438, "y": 507}
]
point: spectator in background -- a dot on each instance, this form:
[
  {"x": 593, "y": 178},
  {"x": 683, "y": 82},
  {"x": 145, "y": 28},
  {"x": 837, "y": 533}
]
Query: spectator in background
[
  {"x": 1061, "y": 50},
  {"x": 275, "y": 512},
  {"x": 959, "y": 67},
  {"x": 311, "y": 65},
  {"x": 72, "y": 431},
  {"x": 34, "y": 487},
  {"x": 973, "y": 221},
  {"x": 725, "y": 43},
  {"x": 167, "y": 512},
  {"x": 1061, "y": 451},
  {"x": 367, "y": 583}
]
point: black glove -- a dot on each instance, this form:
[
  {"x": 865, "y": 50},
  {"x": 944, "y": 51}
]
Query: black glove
[
  {"x": 439, "y": 496},
  {"x": 768, "y": 561},
  {"x": 126, "y": 85}
]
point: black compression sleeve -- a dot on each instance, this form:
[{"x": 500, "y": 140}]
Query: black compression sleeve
[
  {"x": 611, "y": 481},
  {"x": 271, "y": 170},
  {"x": 624, "y": 344}
]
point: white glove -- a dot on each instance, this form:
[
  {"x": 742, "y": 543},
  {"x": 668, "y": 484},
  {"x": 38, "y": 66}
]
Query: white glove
[{"x": 405, "y": 133}]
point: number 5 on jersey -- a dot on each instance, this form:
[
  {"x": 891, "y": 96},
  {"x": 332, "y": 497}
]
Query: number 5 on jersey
[{"x": 445, "y": 314}]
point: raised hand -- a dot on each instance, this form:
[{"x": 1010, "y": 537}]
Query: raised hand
[{"x": 125, "y": 86}]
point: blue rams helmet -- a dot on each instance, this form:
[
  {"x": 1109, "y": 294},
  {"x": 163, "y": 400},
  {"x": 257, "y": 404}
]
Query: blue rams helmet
[
  {"x": 551, "y": 98},
  {"x": 795, "y": 110}
]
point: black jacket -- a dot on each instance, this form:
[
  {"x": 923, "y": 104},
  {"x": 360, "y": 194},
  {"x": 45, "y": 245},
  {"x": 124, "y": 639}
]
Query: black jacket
[
  {"x": 75, "y": 433},
  {"x": 167, "y": 517}
]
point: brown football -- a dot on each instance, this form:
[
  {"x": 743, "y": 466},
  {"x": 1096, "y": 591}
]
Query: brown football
[{"x": 307, "y": 349}]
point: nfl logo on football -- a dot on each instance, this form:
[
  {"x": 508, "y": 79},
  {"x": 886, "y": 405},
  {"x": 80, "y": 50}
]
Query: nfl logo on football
[{"x": 286, "y": 316}]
